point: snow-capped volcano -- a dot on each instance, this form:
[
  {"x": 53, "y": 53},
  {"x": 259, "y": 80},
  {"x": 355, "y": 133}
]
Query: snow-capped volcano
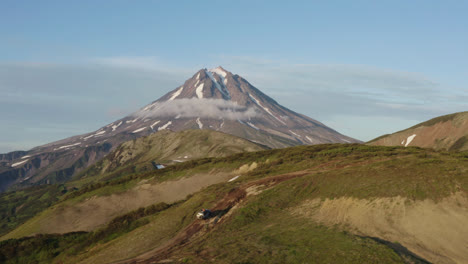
[
  {"x": 219, "y": 100},
  {"x": 212, "y": 99}
]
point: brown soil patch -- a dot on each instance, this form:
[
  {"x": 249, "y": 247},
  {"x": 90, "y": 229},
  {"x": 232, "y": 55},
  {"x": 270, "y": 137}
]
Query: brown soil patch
[
  {"x": 246, "y": 168},
  {"x": 98, "y": 210},
  {"x": 436, "y": 231}
]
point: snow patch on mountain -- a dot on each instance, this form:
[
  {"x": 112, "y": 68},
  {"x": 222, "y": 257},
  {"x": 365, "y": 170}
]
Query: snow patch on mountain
[
  {"x": 199, "y": 91},
  {"x": 114, "y": 127},
  {"x": 266, "y": 109},
  {"x": 252, "y": 125},
  {"x": 100, "y": 133},
  {"x": 219, "y": 71},
  {"x": 165, "y": 126},
  {"x": 155, "y": 123},
  {"x": 139, "y": 130},
  {"x": 200, "y": 125},
  {"x": 132, "y": 121},
  {"x": 311, "y": 140},
  {"x": 292, "y": 132},
  {"x": 222, "y": 89},
  {"x": 176, "y": 93},
  {"x": 25, "y": 157},
  {"x": 19, "y": 163},
  {"x": 85, "y": 138},
  {"x": 409, "y": 139},
  {"x": 68, "y": 146}
]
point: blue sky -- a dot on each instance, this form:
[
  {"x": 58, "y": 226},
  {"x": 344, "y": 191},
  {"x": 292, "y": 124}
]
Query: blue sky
[{"x": 365, "y": 68}]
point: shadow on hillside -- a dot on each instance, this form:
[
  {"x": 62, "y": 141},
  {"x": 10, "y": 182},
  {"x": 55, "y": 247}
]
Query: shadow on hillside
[
  {"x": 217, "y": 214},
  {"x": 407, "y": 255}
]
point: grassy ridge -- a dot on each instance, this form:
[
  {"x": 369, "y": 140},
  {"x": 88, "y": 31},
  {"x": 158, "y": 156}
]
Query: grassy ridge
[
  {"x": 165, "y": 147},
  {"x": 439, "y": 119},
  {"x": 411, "y": 161}
]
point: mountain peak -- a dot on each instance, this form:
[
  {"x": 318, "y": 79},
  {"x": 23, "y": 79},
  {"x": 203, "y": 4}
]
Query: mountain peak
[
  {"x": 219, "y": 70},
  {"x": 216, "y": 99}
]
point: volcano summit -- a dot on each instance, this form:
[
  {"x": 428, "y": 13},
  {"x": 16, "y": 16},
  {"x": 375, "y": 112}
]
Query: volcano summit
[{"x": 219, "y": 100}]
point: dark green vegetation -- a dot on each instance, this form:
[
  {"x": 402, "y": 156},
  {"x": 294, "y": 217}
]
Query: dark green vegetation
[
  {"x": 38, "y": 249},
  {"x": 459, "y": 144},
  {"x": 263, "y": 229},
  {"x": 44, "y": 248},
  {"x": 18, "y": 206}
]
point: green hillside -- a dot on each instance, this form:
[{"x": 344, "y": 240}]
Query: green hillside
[
  {"x": 134, "y": 156},
  {"x": 321, "y": 204},
  {"x": 166, "y": 147}
]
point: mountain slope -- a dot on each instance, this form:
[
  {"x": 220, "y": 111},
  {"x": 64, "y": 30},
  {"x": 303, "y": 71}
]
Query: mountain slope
[
  {"x": 165, "y": 148},
  {"x": 217, "y": 99},
  {"x": 449, "y": 132},
  {"x": 139, "y": 155},
  {"x": 212, "y": 99},
  {"x": 333, "y": 203}
]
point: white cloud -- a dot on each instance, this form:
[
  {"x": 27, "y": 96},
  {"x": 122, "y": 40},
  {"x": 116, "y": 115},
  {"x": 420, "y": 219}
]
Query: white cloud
[{"x": 194, "y": 107}]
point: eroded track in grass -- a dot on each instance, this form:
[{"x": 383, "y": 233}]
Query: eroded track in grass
[
  {"x": 224, "y": 208},
  {"x": 221, "y": 211}
]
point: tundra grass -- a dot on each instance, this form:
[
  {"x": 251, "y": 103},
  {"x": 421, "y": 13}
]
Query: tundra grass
[
  {"x": 263, "y": 231},
  {"x": 432, "y": 174}
]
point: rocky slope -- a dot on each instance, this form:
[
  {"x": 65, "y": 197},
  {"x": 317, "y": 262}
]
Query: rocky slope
[{"x": 449, "y": 132}]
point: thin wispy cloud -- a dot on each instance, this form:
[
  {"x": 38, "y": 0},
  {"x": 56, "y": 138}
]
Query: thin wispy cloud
[
  {"x": 142, "y": 63},
  {"x": 343, "y": 86}
]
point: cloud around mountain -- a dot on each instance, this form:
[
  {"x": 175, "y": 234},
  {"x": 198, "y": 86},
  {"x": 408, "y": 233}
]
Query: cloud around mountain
[{"x": 195, "y": 107}]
